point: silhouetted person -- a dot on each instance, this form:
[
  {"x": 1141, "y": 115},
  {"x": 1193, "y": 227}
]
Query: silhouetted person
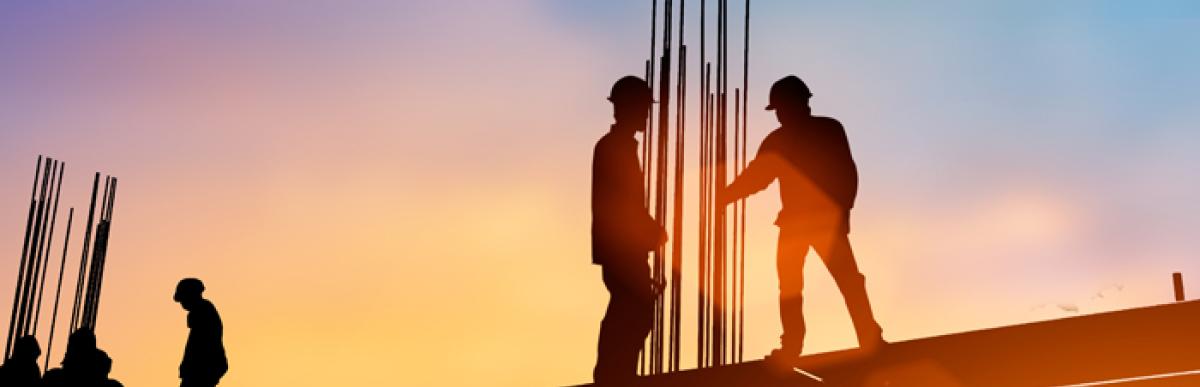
[
  {"x": 623, "y": 232},
  {"x": 204, "y": 360},
  {"x": 818, "y": 182},
  {"x": 21, "y": 369},
  {"x": 77, "y": 362},
  {"x": 101, "y": 369},
  {"x": 84, "y": 365}
]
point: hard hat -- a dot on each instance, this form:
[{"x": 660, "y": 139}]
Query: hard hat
[
  {"x": 630, "y": 89},
  {"x": 787, "y": 88}
]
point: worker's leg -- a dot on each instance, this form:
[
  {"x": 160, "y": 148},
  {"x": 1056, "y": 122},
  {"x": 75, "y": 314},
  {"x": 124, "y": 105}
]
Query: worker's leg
[
  {"x": 608, "y": 343},
  {"x": 626, "y": 322},
  {"x": 834, "y": 249},
  {"x": 789, "y": 261}
]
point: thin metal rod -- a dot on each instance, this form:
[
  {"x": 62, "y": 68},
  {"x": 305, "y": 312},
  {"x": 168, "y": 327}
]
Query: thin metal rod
[
  {"x": 660, "y": 191},
  {"x": 76, "y": 309},
  {"x": 112, "y": 196},
  {"x": 702, "y": 180},
  {"x": 745, "y": 156},
  {"x": 722, "y": 147},
  {"x": 94, "y": 269},
  {"x": 98, "y": 250},
  {"x": 58, "y": 293},
  {"x": 677, "y": 205},
  {"x": 30, "y": 270},
  {"x": 12, "y": 322},
  {"x": 1177, "y": 282},
  {"x": 647, "y": 354},
  {"x": 648, "y": 134},
  {"x": 736, "y": 259},
  {"x": 37, "y": 315}
]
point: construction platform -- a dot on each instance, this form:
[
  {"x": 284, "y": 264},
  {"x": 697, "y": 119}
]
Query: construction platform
[{"x": 1149, "y": 346}]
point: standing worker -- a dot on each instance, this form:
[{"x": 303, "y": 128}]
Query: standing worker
[
  {"x": 818, "y": 182},
  {"x": 204, "y": 360},
  {"x": 623, "y": 232}
]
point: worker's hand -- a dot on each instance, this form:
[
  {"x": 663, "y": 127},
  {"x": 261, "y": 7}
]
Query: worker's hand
[{"x": 657, "y": 287}]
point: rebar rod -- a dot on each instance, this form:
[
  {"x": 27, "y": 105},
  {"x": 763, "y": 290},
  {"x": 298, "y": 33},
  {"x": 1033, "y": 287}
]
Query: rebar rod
[
  {"x": 745, "y": 156},
  {"x": 703, "y": 203},
  {"x": 99, "y": 249},
  {"x": 37, "y": 315},
  {"x": 93, "y": 269},
  {"x": 735, "y": 261},
  {"x": 76, "y": 309},
  {"x": 112, "y": 196},
  {"x": 12, "y": 322},
  {"x": 677, "y": 226},
  {"x": 58, "y": 292},
  {"x": 30, "y": 271}
]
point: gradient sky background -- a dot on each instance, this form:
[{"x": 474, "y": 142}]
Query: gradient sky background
[{"x": 396, "y": 193}]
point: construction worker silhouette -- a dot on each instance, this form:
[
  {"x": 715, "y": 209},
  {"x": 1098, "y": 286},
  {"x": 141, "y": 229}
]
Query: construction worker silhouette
[
  {"x": 21, "y": 368},
  {"x": 818, "y": 182},
  {"x": 623, "y": 232},
  {"x": 204, "y": 360}
]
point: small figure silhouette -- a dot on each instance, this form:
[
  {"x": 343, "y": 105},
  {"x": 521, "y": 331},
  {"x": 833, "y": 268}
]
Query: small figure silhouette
[
  {"x": 84, "y": 365},
  {"x": 818, "y": 183},
  {"x": 100, "y": 370},
  {"x": 623, "y": 232},
  {"x": 204, "y": 360},
  {"x": 21, "y": 369}
]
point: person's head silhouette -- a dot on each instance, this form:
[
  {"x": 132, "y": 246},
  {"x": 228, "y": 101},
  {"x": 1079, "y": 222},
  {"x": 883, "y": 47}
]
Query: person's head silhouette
[
  {"x": 789, "y": 99},
  {"x": 631, "y": 101},
  {"x": 101, "y": 367},
  {"x": 26, "y": 348},
  {"x": 188, "y": 292}
]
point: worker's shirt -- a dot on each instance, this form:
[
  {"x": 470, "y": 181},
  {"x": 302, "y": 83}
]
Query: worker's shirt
[
  {"x": 817, "y": 175},
  {"x": 622, "y": 229},
  {"x": 204, "y": 356}
]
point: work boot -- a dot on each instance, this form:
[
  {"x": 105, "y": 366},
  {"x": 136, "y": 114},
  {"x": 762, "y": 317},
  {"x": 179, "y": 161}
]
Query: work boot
[
  {"x": 784, "y": 357},
  {"x": 872, "y": 345}
]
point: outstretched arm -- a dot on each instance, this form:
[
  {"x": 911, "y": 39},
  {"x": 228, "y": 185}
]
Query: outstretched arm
[{"x": 756, "y": 177}]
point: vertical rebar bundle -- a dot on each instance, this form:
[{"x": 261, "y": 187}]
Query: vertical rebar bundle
[
  {"x": 95, "y": 274},
  {"x": 720, "y": 239},
  {"x": 34, "y": 260},
  {"x": 34, "y": 263}
]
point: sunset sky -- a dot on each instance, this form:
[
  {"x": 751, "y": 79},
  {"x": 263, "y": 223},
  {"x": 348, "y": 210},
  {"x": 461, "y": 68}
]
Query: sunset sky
[{"x": 384, "y": 193}]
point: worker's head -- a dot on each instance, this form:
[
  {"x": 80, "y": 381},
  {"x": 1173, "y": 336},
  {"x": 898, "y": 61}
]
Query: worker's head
[
  {"x": 789, "y": 99},
  {"x": 631, "y": 101},
  {"x": 26, "y": 348},
  {"x": 102, "y": 367},
  {"x": 188, "y": 291},
  {"x": 80, "y": 346}
]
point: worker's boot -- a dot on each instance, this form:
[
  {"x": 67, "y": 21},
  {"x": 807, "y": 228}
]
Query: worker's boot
[{"x": 786, "y": 358}]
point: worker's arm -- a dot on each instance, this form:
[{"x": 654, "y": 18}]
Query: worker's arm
[
  {"x": 619, "y": 215},
  {"x": 756, "y": 177}
]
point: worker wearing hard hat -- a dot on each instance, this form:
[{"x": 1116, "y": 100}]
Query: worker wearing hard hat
[
  {"x": 623, "y": 233},
  {"x": 818, "y": 182}
]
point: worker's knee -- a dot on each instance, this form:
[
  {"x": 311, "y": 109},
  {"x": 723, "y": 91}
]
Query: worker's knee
[
  {"x": 847, "y": 276},
  {"x": 791, "y": 287}
]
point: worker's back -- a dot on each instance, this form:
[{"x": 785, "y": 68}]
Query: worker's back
[{"x": 818, "y": 174}]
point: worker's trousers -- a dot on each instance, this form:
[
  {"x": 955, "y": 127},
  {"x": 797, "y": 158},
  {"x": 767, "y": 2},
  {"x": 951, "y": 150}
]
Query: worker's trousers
[
  {"x": 833, "y": 246},
  {"x": 626, "y": 323}
]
